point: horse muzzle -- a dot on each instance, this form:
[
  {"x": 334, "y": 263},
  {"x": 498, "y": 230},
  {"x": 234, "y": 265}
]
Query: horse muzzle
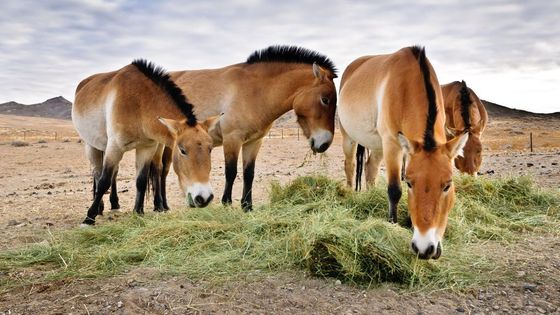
[
  {"x": 320, "y": 140},
  {"x": 426, "y": 245},
  {"x": 199, "y": 195}
]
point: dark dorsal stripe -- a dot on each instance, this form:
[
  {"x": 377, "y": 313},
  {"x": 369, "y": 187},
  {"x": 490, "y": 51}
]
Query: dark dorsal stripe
[
  {"x": 162, "y": 79},
  {"x": 292, "y": 54},
  {"x": 429, "y": 141},
  {"x": 465, "y": 104}
]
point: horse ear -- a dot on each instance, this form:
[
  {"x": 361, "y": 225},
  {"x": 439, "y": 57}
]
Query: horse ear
[
  {"x": 210, "y": 123},
  {"x": 318, "y": 72},
  {"x": 455, "y": 146},
  {"x": 409, "y": 146},
  {"x": 172, "y": 125}
]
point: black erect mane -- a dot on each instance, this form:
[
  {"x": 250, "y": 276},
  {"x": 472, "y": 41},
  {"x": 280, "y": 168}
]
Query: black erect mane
[
  {"x": 162, "y": 79},
  {"x": 465, "y": 104},
  {"x": 429, "y": 141},
  {"x": 292, "y": 54}
]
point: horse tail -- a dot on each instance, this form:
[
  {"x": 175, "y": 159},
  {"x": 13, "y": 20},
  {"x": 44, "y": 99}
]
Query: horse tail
[
  {"x": 465, "y": 103},
  {"x": 360, "y": 150}
]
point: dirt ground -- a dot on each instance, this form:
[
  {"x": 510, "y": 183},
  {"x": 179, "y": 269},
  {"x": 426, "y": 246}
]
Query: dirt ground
[{"x": 46, "y": 186}]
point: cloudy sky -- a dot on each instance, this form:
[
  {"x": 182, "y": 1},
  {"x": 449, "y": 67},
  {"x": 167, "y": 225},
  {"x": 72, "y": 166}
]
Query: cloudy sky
[{"x": 507, "y": 51}]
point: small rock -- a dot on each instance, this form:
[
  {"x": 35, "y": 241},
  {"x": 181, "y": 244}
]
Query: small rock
[
  {"x": 120, "y": 304},
  {"x": 540, "y": 310},
  {"x": 521, "y": 274},
  {"x": 530, "y": 164},
  {"x": 496, "y": 307},
  {"x": 554, "y": 163},
  {"x": 13, "y": 223},
  {"x": 460, "y": 309},
  {"x": 530, "y": 287},
  {"x": 338, "y": 282}
]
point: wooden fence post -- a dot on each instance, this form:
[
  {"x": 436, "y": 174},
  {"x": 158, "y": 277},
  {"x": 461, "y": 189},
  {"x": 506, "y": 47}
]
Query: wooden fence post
[
  {"x": 531, "y": 141},
  {"x": 24, "y": 135}
]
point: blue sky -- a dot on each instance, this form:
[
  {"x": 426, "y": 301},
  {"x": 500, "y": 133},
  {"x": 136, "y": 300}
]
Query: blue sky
[{"x": 507, "y": 51}]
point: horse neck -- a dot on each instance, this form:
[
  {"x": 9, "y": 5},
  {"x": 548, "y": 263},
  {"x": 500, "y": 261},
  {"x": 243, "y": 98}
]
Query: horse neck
[
  {"x": 282, "y": 85},
  {"x": 154, "y": 129}
]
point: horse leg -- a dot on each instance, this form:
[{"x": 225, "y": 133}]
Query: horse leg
[
  {"x": 231, "y": 153},
  {"x": 113, "y": 197},
  {"x": 95, "y": 157},
  {"x": 372, "y": 166},
  {"x": 166, "y": 165},
  {"x": 250, "y": 151},
  {"x": 113, "y": 156},
  {"x": 156, "y": 174},
  {"x": 392, "y": 154},
  {"x": 144, "y": 156},
  {"x": 349, "y": 148}
]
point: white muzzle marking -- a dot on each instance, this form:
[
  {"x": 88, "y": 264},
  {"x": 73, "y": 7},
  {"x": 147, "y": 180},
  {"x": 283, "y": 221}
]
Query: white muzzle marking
[
  {"x": 321, "y": 137},
  {"x": 200, "y": 189},
  {"x": 423, "y": 241}
]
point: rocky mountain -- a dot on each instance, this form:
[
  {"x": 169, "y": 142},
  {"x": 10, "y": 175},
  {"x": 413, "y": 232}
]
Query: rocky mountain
[
  {"x": 57, "y": 107},
  {"x": 499, "y": 111}
]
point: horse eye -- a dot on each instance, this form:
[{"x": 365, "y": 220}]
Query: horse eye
[
  {"x": 183, "y": 151},
  {"x": 408, "y": 184},
  {"x": 325, "y": 100},
  {"x": 446, "y": 188}
]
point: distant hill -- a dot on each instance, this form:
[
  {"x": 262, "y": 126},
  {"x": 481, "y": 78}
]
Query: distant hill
[
  {"x": 57, "y": 107},
  {"x": 498, "y": 111},
  {"x": 61, "y": 108}
]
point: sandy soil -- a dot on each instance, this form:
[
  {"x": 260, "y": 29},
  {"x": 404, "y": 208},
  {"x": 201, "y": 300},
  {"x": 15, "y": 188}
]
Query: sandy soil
[{"x": 47, "y": 186}]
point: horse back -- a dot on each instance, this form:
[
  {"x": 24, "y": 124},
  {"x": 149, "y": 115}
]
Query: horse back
[{"x": 392, "y": 87}]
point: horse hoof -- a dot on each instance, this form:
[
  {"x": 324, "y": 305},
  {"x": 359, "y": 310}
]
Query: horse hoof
[
  {"x": 115, "y": 207},
  {"x": 160, "y": 209}
]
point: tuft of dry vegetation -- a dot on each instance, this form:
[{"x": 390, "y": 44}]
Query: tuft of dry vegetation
[
  {"x": 19, "y": 143},
  {"x": 312, "y": 223}
]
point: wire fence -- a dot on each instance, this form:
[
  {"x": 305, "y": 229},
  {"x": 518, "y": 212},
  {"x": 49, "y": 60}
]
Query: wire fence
[
  {"x": 527, "y": 141},
  {"x": 9, "y": 134}
]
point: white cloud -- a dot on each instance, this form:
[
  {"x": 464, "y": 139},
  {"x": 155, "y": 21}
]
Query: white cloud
[{"x": 47, "y": 47}]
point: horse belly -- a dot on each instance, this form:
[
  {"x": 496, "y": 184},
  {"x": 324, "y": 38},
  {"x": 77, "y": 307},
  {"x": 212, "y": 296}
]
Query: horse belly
[
  {"x": 91, "y": 127},
  {"x": 361, "y": 126}
]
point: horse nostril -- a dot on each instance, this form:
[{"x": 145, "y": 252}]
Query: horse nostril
[
  {"x": 323, "y": 147},
  {"x": 438, "y": 252},
  {"x": 430, "y": 250},
  {"x": 414, "y": 248},
  {"x": 199, "y": 200}
]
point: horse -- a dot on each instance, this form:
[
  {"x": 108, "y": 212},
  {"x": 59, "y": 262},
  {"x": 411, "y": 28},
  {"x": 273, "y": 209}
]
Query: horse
[
  {"x": 244, "y": 99},
  {"x": 392, "y": 104},
  {"x": 140, "y": 107},
  {"x": 465, "y": 112}
]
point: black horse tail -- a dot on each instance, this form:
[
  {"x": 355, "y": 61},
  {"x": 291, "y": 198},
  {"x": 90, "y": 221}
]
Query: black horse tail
[{"x": 360, "y": 150}]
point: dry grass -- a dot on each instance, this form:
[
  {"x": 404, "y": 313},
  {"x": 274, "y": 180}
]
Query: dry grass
[{"x": 312, "y": 223}]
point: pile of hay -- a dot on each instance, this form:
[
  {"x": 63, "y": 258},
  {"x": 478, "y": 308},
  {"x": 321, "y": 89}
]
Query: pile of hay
[{"x": 313, "y": 223}]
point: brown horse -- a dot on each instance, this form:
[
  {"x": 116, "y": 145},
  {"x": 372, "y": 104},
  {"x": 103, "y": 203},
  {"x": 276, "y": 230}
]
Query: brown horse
[
  {"x": 464, "y": 112},
  {"x": 248, "y": 97},
  {"x": 122, "y": 110},
  {"x": 392, "y": 104}
]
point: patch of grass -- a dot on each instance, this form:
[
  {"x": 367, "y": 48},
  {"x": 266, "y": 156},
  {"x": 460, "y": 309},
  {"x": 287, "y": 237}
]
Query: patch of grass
[{"x": 313, "y": 223}]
